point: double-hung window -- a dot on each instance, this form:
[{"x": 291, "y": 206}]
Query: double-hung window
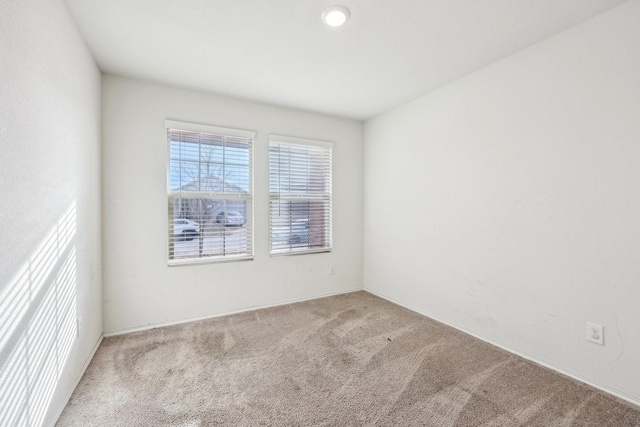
[
  {"x": 209, "y": 193},
  {"x": 299, "y": 195}
]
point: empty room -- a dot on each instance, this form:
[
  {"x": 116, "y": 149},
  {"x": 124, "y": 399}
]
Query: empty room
[{"x": 319, "y": 213}]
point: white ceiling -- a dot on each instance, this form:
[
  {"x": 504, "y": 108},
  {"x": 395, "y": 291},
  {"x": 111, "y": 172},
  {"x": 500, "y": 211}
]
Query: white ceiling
[{"x": 279, "y": 52}]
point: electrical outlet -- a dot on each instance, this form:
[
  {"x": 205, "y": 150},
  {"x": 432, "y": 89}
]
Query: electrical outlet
[
  {"x": 595, "y": 333},
  {"x": 332, "y": 270}
]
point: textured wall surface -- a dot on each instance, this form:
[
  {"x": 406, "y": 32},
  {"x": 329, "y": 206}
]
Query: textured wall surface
[
  {"x": 507, "y": 203},
  {"x": 50, "y": 249},
  {"x": 140, "y": 289}
]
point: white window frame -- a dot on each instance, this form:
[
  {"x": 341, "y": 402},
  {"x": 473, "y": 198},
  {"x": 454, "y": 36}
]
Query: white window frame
[
  {"x": 216, "y": 130},
  {"x": 328, "y": 238}
]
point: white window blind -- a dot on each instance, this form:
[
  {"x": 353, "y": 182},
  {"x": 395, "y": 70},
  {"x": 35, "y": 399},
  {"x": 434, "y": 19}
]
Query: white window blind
[
  {"x": 299, "y": 195},
  {"x": 209, "y": 193}
]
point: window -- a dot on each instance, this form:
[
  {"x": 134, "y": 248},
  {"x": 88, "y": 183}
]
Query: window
[
  {"x": 299, "y": 195},
  {"x": 209, "y": 193}
]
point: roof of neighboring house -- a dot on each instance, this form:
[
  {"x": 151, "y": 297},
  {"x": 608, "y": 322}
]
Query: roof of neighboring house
[{"x": 213, "y": 184}]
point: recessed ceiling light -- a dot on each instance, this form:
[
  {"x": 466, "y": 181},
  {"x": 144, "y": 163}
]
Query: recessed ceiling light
[{"x": 335, "y": 16}]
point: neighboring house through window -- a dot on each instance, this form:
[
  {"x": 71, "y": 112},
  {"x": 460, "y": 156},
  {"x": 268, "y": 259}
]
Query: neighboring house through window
[
  {"x": 210, "y": 197},
  {"x": 299, "y": 195}
]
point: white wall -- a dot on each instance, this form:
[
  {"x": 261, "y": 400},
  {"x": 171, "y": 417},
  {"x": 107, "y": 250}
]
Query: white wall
[
  {"x": 139, "y": 288},
  {"x": 508, "y": 203},
  {"x": 50, "y": 269}
]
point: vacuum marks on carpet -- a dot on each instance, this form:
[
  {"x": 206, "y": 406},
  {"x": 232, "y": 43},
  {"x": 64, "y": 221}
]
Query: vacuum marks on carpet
[{"x": 347, "y": 360}]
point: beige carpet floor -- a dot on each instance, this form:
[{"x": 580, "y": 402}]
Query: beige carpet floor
[{"x": 348, "y": 360}]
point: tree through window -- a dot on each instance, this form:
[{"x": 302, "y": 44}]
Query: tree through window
[{"x": 210, "y": 193}]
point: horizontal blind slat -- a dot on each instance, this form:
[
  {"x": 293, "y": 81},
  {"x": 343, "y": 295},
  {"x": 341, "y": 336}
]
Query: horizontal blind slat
[
  {"x": 299, "y": 197},
  {"x": 210, "y": 198}
]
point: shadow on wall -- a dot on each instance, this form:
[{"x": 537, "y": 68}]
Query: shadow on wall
[{"x": 38, "y": 326}]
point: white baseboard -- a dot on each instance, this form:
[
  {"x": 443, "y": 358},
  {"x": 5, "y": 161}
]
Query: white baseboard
[
  {"x": 617, "y": 393},
  {"x": 77, "y": 380},
  {"x": 213, "y": 316}
]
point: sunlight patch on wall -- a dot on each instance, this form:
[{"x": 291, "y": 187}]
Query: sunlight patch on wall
[{"x": 38, "y": 326}]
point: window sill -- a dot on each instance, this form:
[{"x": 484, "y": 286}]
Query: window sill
[
  {"x": 300, "y": 252},
  {"x": 210, "y": 260}
]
